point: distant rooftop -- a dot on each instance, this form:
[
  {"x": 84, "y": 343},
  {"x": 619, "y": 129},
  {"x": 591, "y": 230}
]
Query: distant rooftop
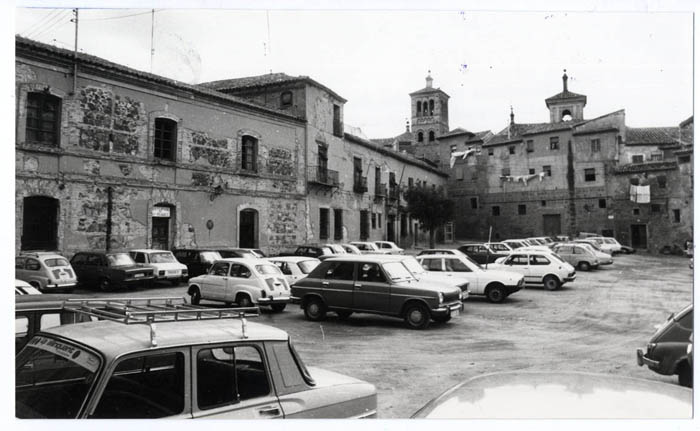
[{"x": 265, "y": 81}]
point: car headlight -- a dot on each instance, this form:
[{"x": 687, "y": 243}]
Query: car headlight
[{"x": 440, "y": 297}]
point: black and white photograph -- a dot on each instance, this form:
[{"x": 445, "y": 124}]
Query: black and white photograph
[{"x": 404, "y": 211}]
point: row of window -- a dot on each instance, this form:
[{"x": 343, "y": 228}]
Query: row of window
[
  {"x": 553, "y": 145},
  {"x": 431, "y": 136},
  {"x": 324, "y": 223},
  {"x": 425, "y": 108}
]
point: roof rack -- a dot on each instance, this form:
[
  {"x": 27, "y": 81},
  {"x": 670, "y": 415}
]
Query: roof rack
[{"x": 149, "y": 311}]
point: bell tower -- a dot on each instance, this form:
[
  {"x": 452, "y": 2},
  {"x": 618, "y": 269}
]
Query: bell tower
[
  {"x": 565, "y": 106},
  {"x": 429, "y": 113}
]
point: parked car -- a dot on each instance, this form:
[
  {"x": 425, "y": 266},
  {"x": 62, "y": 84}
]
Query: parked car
[
  {"x": 238, "y": 252},
  {"x": 577, "y": 256},
  {"x": 336, "y": 248},
  {"x": 615, "y": 247},
  {"x": 320, "y": 252},
  {"x": 197, "y": 261},
  {"x": 515, "y": 243},
  {"x": 294, "y": 267},
  {"x": 599, "y": 243},
  {"x": 165, "y": 266},
  {"x": 24, "y": 288},
  {"x": 351, "y": 249},
  {"x": 46, "y": 271},
  {"x": 667, "y": 350},
  {"x": 480, "y": 253},
  {"x": 245, "y": 281},
  {"x": 539, "y": 267},
  {"x": 110, "y": 270},
  {"x": 195, "y": 363},
  {"x": 495, "y": 285},
  {"x": 378, "y": 285},
  {"x": 417, "y": 270},
  {"x": 559, "y": 395},
  {"x": 498, "y": 247},
  {"x": 367, "y": 247},
  {"x": 448, "y": 251},
  {"x": 388, "y": 247},
  {"x": 603, "y": 258},
  {"x": 626, "y": 249}
]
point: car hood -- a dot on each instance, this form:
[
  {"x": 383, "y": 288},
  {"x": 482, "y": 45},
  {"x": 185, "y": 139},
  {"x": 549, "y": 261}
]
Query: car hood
[
  {"x": 543, "y": 395},
  {"x": 444, "y": 279},
  {"x": 432, "y": 284}
]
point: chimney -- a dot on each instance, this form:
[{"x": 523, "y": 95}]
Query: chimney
[
  {"x": 408, "y": 129},
  {"x": 565, "y": 78},
  {"x": 429, "y": 81},
  {"x": 512, "y": 116}
]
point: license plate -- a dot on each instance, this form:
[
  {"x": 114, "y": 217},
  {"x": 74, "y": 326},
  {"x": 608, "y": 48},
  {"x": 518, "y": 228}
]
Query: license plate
[
  {"x": 138, "y": 275},
  {"x": 175, "y": 272},
  {"x": 455, "y": 312}
]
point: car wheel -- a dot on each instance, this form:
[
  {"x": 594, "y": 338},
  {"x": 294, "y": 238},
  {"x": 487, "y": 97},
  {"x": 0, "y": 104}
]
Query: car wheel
[
  {"x": 105, "y": 285},
  {"x": 496, "y": 294},
  {"x": 278, "y": 307},
  {"x": 343, "y": 314},
  {"x": 443, "y": 319},
  {"x": 584, "y": 266},
  {"x": 551, "y": 282},
  {"x": 685, "y": 375},
  {"x": 195, "y": 296},
  {"x": 315, "y": 309},
  {"x": 244, "y": 301},
  {"x": 417, "y": 316}
]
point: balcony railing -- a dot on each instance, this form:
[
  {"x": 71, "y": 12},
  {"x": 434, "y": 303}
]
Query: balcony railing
[
  {"x": 394, "y": 192},
  {"x": 380, "y": 190},
  {"x": 323, "y": 176},
  {"x": 360, "y": 185}
]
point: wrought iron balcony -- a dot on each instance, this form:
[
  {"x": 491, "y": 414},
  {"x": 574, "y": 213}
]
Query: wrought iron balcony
[
  {"x": 360, "y": 184},
  {"x": 323, "y": 176},
  {"x": 380, "y": 190}
]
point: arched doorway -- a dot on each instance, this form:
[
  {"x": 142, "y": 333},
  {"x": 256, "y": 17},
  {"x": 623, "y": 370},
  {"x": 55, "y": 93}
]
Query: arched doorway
[
  {"x": 248, "y": 228},
  {"x": 162, "y": 217},
  {"x": 40, "y": 223}
]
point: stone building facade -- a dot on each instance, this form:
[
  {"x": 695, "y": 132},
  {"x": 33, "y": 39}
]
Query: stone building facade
[{"x": 116, "y": 158}]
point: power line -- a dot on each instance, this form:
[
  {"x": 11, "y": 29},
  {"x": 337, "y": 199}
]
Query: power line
[
  {"x": 37, "y": 25},
  {"x": 122, "y": 16},
  {"x": 48, "y": 24},
  {"x": 56, "y": 24}
]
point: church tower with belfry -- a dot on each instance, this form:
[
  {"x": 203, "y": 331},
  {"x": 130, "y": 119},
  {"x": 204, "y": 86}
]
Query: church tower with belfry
[
  {"x": 429, "y": 113},
  {"x": 565, "y": 106}
]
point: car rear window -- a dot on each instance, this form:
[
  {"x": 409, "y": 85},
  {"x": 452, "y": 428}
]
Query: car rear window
[
  {"x": 306, "y": 266},
  {"x": 119, "y": 259},
  {"x": 53, "y": 262},
  {"x": 162, "y": 257},
  {"x": 268, "y": 269}
]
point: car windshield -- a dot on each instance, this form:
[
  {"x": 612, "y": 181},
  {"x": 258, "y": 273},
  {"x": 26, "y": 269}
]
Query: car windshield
[
  {"x": 52, "y": 378},
  {"x": 268, "y": 269},
  {"x": 306, "y": 266},
  {"x": 53, "y": 262},
  {"x": 609, "y": 241},
  {"x": 413, "y": 265},
  {"x": 120, "y": 259},
  {"x": 397, "y": 271},
  {"x": 498, "y": 247},
  {"x": 162, "y": 257},
  {"x": 210, "y": 256},
  {"x": 471, "y": 263}
]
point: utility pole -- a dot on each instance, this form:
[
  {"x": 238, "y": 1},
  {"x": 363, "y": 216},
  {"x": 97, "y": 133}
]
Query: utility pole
[
  {"x": 153, "y": 19},
  {"x": 75, "y": 53}
]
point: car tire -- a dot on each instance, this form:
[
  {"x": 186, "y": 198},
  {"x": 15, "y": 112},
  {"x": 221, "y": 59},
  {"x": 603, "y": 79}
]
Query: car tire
[
  {"x": 195, "y": 296},
  {"x": 315, "y": 309},
  {"x": 417, "y": 316},
  {"x": 343, "y": 314},
  {"x": 496, "y": 294},
  {"x": 104, "y": 285},
  {"x": 278, "y": 307},
  {"x": 442, "y": 319},
  {"x": 551, "y": 282},
  {"x": 243, "y": 300},
  {"x": 584, "y": 266},
  {"x": 685, "y": 375}
]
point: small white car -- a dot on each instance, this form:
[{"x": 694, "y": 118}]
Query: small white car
[
  {"x": 46, "y": 271},
  {"x": 603, "y": 257},
  {"x": 337, "y": 248},
  {"x": 600, "y": 244},
  {"x": 609, "y": 243},
  {"x": 388, "y": 247},
  {"x": 367, "y": 247},
  {"x": 539, "y": 268},
  {"x": 165, "y": 266},
  {"x": 494, "y": 284},
  {"x": 498, "y": 247},
  {"x": 351, "y": 249},
  {"x": 24, "y": 288},
  {"x": 244, "y": 281},
  {"x": 294, "y": 267}
]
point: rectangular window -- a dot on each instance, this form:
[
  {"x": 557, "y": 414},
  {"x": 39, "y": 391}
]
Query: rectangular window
[
  {"x": 543, "y": 203},
  {"x": 337, "y": 123},
  {"x": 43, "y": 119},
  {"x": 379, "y": 220},
  {"x": 505, "y": 172},
  {"x": 657, "y": 157},
  {"x": 655, "y": 208},
  {"x": 595, "y": 145},
  {"x": 460, "y": 173},
  {"x": 661, "y": 180},
  {"x": 547, "y": 170},
  {"x": 638, "y": 158},
  {"x": 165, "y": 139},
  {"x": 511, "y": 149},
  {"x": 364, "y": 225},
  {"x": 490, "y": 151},
  {"x": 635, "y": 211},
  {"x": 374, "y": 221},
  {"x": 676, "y": 216},
  {"x": 531, "y": 171},
  {"x": 683, "y": 159},
  {"x": 602, "y": 203},
  {"x": 474, "y": 203},
  {"x": 530, "y": 145},
  {"x": 522, "y": 209},
  {"x": 323, "y": 223},
  {"x": 554, "y": 143},
  {"x": 322, "y": 173},
  {"x": 495, "y": 210},
  {"x": 410, "y": 183},
  {"x": 249, "y": 154},
  {"x": 358, "y": 185},
  {"x": 589, "y": 174},
  {"x": 337, "y": 223}
]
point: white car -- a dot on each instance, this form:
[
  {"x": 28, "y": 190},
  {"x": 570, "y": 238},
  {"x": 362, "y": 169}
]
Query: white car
[
  {"x": 388, "y": 247},
  {"x": 598, "y": 242},
  {"x": 539, "y": 268},
  {"x": 494, "y": 284},
  {"x": 336, "y": 248},
  {"x": 608, "y": 242},
  {"x": 603, "y": 257},
  {"x": 367, "y": 247},
  {"x": 244, "y": 281},
  {"x": 46, "y": 271},
  {"x": 350, "y": 249},
  {"x": 294, "y": 267},
  {"x": 24, "y": 288},
  {"x": 499, "y": 247},
  {"x": 165, "y": 266}
]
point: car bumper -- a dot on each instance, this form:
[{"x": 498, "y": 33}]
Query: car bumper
[
  {"x": 136, "y": 281},
  {"x": 58, "y": 286},
  {"x": 643, "y": 360},
  {"x": 447, "y": 309},
  {"x": 570, "y": 277},
  {"x": 275, "y": 300},
  {"x": 295, "y": 300},
  {"x": 513, "y": 289}
]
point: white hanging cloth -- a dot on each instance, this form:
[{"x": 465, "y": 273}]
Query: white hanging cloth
[{"x": 463, "y": 154}]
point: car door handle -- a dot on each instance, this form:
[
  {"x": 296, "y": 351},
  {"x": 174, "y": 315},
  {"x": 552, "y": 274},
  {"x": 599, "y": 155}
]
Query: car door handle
[
  {"x": 358, "y": 285},
  {"x": 269, "y": 411},
  {"x": 324, "y": 283}
]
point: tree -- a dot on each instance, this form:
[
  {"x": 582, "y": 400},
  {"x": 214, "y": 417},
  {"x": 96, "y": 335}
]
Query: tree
[{"x": 430, "y": 207}]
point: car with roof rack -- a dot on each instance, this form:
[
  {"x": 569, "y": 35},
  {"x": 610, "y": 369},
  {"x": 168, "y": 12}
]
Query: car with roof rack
[
  {"x": 162, "y": 358},
  {"x": 377, "y": 285},
  {"x": 46, "y": 271},
  {"x": 245, "y": 281}
]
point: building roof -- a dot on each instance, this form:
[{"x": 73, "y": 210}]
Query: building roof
[
  {"x": 266, "y": 80},
  {"x": 663, "y": 165},
  {"x": 31, "y": 47},
  {"x": 429, "y": 90},
  {"x": 520, "y": 130},
  {"x": 565, "y": 96},
  {"x": 651, "y": 136},
  {"x": 686, "y": 122}
]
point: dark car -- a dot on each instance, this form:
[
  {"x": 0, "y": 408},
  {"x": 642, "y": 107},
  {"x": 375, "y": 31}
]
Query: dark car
[
  {"x": 480, "y": 253},
  {"x": 667, "y": 351},
  {"x": 378, "y": 285},
  {"x": 108, "y": 270},
  {"x": 320, "y": 252},
  {"x": 197, "y": 261}
]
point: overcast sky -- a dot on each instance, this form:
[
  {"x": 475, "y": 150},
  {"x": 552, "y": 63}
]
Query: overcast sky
[{"x": 485, "y": 61}]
